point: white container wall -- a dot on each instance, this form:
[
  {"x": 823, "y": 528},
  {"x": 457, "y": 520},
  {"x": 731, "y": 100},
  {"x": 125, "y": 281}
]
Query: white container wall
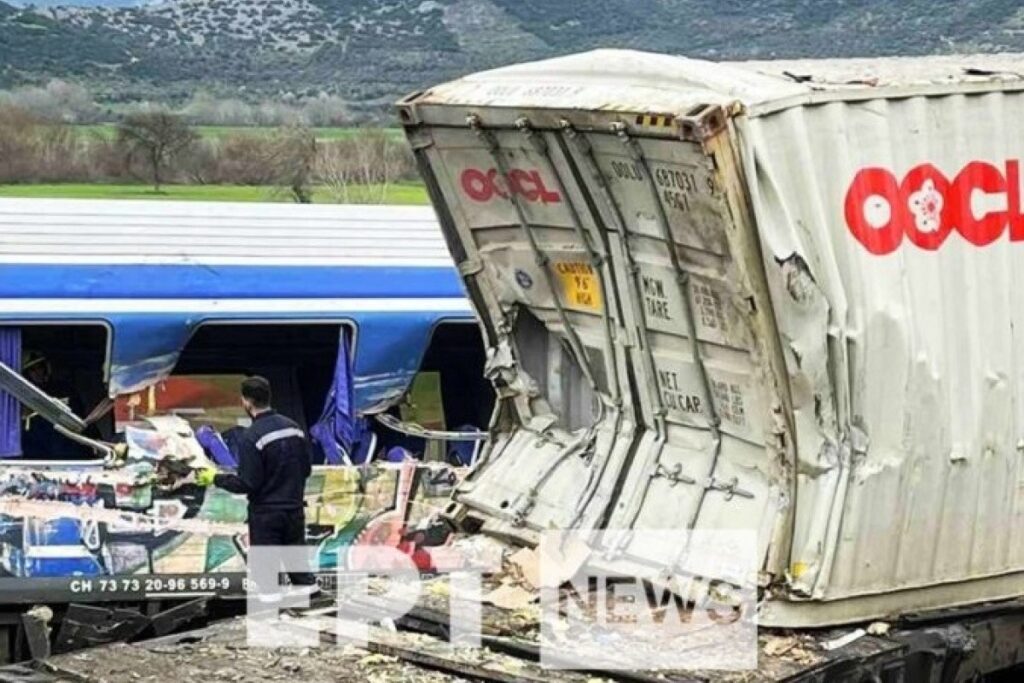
[{"x": 780, "y": 296}]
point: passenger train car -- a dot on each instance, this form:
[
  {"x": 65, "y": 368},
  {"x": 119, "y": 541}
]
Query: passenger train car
[{"x": 143, "y": 317}]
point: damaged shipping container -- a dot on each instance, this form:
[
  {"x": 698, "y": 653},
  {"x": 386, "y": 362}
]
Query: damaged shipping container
[{"x": 775, "y": 296}]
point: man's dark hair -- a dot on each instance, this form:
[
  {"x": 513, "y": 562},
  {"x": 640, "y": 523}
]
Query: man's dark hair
[{"x": 256, "y": 390}]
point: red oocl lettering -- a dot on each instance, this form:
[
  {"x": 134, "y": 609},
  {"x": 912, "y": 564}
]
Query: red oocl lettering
[
  {"x": 985, "y": 177},
  {"x": 483, "y": 186},
  {"x": 926, "y": 206},
  {"x": 480, "y": 185},
  {"x": 874, "y": 185}
]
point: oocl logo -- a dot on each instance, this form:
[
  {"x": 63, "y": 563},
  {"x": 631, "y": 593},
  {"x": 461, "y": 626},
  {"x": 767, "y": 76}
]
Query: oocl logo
[
  {"x": 925, "y": 207},
  {"x": 483, "y": 186}
]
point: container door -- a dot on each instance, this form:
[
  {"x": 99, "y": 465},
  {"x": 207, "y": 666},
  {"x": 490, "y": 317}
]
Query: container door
[
  {"x": 633, "y": 332},
  {"x": 712, "y": 448},
  {"x": 539, "y": 268}
]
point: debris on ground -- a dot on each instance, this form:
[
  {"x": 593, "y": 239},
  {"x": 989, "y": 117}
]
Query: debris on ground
[
  {"x": 511, "y": 596},
  {"x": 222, "y": 656},
  {"x": 844, "y": 640},
  {"x": 879, "y": 628},
  {"x": 793, "y": 648}
]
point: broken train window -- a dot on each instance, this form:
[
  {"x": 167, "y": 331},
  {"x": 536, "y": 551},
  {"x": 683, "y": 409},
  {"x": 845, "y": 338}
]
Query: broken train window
[
  {"x": 68, "y": 363},
  {"x": 449, "y": 394},
  {"x": 298, "y": 359}
]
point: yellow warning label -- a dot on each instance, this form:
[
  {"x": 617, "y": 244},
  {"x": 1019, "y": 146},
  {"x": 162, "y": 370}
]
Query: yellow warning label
[
  {"x": 663, "y": 120},
  {"x": 579, "y": 282}
]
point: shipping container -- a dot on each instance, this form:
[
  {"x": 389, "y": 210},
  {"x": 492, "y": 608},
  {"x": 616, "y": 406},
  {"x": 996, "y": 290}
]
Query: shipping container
[{"x": 777, "y": 296}]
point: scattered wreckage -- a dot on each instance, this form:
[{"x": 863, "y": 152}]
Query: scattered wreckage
[{"x": 753, "y": 296}]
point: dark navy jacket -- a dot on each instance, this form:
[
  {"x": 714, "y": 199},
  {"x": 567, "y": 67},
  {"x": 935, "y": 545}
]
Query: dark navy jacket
[{"x": 274, "y": 461}]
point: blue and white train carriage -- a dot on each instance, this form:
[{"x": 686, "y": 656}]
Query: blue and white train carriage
[
  {"x": 116, "y": 296},
  {"x": 129, "y": 309}
]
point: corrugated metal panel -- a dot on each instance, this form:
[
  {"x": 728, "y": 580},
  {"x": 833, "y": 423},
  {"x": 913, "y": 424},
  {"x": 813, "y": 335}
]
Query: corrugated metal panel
[
  {"x": 917, "y": 348},
  {"x": 94, "y": 231}
]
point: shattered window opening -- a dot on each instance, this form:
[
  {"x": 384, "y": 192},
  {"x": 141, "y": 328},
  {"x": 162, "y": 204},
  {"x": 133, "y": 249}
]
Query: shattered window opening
[
  {"x": 297, "y": 358},
  {"x": 68, "y": 363},
  {"x": 550, "y": 363},
  {"x": 449, "y": 393}
]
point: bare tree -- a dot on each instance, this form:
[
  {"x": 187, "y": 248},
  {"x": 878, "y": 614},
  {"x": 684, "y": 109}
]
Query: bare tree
[
  {"x": 363, "y": 167},
  {"x": 291, "y": 157},
  {"x": 156, "y": 137},
  {"x": 18, "y": 129}
]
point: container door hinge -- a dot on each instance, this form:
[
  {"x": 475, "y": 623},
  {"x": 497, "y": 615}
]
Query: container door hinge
[
  {"x": 674, "y": 474},
  {"x": 729, "y": 487}
]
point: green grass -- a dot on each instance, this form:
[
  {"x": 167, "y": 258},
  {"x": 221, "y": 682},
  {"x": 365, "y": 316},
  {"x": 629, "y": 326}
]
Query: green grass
[
  {"x": 109, "y": 130},
  {"x": 401, "y": 193}
]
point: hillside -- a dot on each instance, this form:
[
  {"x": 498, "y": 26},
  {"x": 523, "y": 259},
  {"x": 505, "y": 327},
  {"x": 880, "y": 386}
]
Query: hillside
[{"x": 372, "y": 51}]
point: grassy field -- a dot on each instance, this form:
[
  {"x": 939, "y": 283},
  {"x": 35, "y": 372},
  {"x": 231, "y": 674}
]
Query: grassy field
[
  {"x": 402, "y": 193},
  {"x": 109, "y": 130}
]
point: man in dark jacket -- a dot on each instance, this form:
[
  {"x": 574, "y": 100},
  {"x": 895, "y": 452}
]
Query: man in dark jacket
[{"x": 274, "y": 461}]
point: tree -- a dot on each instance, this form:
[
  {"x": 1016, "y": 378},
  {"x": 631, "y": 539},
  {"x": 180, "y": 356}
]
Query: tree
[
  {"x": 364, "y": 166},
  {"x": 292, "y": 156},
  {"x": 156, "y": 137}
]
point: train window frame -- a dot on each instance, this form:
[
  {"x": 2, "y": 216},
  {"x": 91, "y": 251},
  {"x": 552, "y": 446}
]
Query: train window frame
[
  {"x": 108, "y": 330},
  {"x": 341, "y": 323}
]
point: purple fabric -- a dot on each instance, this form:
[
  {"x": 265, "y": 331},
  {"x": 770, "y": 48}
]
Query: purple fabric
[
  {"x": 362, "y": 440},
  {"x": 10, "y": 409},
  {"x": 213, "y": 444},
  {"x": 335, "y": 430},
  {"x": 398, "y": 454}
]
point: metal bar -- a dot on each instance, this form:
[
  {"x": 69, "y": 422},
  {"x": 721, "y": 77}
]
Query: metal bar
[
  {"x": 654, "y": 467},
  {"x": 587, "y": 152},
  {"x": 524, "y": 503},
  {"x": 435, "y": 623},
  {"x": 108, "y": 452},
  {"x": 412, "y": 429},
  {"x": 38, "y": 400},
  {"x": 683, "y": 281},
  {"x": 597, "y": 259},
  {"x": 376, "y": 643}
]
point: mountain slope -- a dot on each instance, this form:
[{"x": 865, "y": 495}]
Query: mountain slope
[
  {"x": 372, "y": 51},
  {"x": 33, "y": 46}
]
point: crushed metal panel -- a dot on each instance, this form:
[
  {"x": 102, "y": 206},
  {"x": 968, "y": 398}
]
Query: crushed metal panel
[
  {"x": 534, "y": 224},
  {"x": 861, "y": 258},
  {"x": 518, "y": 211},
  {"x": 918, "y": 343},
  {"x": 710, "y": 455}
]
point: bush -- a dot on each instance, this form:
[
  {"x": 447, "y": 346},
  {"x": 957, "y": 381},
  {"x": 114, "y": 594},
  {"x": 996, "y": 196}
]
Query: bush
[{"x": 33, "y": 150}]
